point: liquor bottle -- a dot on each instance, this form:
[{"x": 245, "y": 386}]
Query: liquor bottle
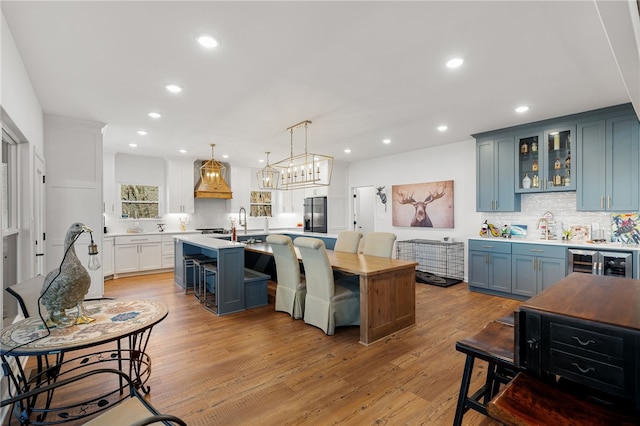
[
  {"x": 526, "y": 181},
  {"x": 567, "y": 161},
  {"x": 557, "y": 180},
  {"x": 557, "y": 164},
  {"x": 534, "y": 166},
  {"x": 524, "y": 148},
  {"x": 535, "y": 182},
  {"x": 534, "y": 145}
]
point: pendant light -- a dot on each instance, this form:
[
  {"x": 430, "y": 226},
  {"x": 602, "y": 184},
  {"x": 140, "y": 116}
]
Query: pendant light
[
  {"x": 305, "y": 170},
  {"x": 213, "y": 172},
  {"x": 268, "y": 177}
]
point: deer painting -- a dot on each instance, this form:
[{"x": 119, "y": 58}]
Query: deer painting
[{"x": 420, "y": 217}]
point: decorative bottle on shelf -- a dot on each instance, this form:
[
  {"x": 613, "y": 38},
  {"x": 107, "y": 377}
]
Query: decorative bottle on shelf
[
  {"x": 534, "y": 145},
  {"x": 534, "y": 166},
  {"x": 535, "y": 182},
  {"x": 567, "y": 161},
  {"x": 557, "y": 180},
  {"x": 526, "y": 181},
  {"x": 557, "y": 164},
  {"x": 524, "y": 148}
]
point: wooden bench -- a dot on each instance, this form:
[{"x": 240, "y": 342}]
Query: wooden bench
[
  {"x": 494, "y": 344},
  {"x": 527, "y": 400}
]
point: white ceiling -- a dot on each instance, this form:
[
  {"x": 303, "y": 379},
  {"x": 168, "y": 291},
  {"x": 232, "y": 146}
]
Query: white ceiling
[{"x": 361, "y": 71}]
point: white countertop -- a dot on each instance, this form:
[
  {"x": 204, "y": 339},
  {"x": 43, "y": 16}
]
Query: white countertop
[{"x": 568, "y": 244}]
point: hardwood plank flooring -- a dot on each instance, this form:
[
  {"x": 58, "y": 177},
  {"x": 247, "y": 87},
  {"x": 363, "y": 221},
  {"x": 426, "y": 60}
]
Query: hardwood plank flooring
[{"x": 262, "y": 367}]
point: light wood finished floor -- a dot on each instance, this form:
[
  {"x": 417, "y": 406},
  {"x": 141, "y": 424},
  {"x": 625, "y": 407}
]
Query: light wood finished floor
[{"x": 262, "y": 367}]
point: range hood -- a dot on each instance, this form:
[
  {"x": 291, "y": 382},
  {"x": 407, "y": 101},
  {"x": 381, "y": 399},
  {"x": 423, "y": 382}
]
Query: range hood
[{"x": 221, "y": 190}]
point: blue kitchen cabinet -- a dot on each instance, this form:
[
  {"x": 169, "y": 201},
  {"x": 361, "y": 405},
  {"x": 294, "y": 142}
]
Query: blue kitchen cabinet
[
  {"x": 608, "y": 159},
  {"x": 495, "y": 175},
  {"x": 536, "y": 267},
  {"x": 490, "y": 266}
]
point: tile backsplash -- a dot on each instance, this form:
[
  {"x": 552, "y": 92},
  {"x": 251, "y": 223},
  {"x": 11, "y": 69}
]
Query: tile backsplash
[{"x": 563, "y": 207}]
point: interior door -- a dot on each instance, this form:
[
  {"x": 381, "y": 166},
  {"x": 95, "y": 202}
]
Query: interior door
[
  {"x": 363, "y": 209},
  {"x": 39, "y": 203}
]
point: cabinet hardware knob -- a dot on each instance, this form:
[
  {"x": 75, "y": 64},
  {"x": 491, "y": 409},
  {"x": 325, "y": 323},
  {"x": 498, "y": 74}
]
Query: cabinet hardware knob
[
  {"x": 582, "y": 342},
  {"x": 532, "y": 343},
  {"x": 583, "y": 370}
]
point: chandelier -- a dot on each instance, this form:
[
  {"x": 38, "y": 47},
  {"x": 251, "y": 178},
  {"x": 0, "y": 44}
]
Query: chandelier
[
  {"x": 304, "y": 170},
  {"x": 268, "y": 177},
  {"x": 213, "y": 172}
]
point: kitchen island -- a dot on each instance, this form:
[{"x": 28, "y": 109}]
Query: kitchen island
[{"x": 230, "y": 291}]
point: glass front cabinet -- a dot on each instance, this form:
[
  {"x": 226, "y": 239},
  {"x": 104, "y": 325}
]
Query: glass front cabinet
[{"x": 544, "y": 160}]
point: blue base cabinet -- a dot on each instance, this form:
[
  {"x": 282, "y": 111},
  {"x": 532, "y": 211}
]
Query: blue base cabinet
[
  {"x": 536, "y": 267},
  {"x": 490, "y": 265}
]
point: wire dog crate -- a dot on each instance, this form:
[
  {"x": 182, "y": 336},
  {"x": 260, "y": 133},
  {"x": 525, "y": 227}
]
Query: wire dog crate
[{"x": 439, "y": 263}]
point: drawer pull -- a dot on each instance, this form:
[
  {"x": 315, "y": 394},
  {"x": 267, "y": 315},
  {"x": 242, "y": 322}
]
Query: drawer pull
[
  {"x": 536, "y": 250},
  {"x": 582, "y": 370},
  {"x": 582, "y": 342}
]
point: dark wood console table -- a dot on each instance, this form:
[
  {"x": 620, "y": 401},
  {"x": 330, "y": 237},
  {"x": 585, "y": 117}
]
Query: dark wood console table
[{"x": 585, "y": 328}]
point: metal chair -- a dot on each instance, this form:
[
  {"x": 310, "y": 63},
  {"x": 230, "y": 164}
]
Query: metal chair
[
  {"x": 210, "y": 270},
  {"x": 103, "y": 405}
]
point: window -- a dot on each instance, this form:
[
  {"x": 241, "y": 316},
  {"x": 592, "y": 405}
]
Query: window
[
  {"x": 260, "y": 203},
  {"x": 140, "y": 201},
  {"x": 9, "y": 182}
]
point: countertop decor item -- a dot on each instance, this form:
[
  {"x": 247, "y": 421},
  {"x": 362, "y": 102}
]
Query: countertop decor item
[{"x": 65, "y": 287}]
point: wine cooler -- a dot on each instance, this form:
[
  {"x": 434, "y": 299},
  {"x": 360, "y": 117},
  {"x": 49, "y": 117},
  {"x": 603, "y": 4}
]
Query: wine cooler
[{"x": 611, "y": 263}]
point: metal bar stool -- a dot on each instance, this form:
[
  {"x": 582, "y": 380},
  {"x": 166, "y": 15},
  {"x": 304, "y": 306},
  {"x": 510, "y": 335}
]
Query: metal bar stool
[
  {"x": 210, "y": 270},
  {"x": 198, "y": 275},
  {"x": 494, "y": 344},
  {"x": 188, "y": 262}
]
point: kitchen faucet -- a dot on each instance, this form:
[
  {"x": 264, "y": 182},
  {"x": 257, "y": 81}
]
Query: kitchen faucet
[
  {"x": 242, "y": 219},
  {"x": 546, "y": 227}
]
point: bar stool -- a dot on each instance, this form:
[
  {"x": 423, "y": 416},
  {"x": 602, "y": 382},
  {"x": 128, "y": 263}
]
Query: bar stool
[
  {"x": 210, "y": 270},
  {"x": 198, "y": 272},
  {"x": 494, "y": 344},
  {"x": 188, "y": 262}
]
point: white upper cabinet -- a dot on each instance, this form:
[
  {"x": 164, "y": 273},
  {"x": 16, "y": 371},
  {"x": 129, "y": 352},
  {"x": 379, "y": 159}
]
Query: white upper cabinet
[{"x": 180, "y": 186}]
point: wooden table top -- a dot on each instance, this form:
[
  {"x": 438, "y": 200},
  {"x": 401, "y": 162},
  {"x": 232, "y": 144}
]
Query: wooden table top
[
  {"x": 352, "y": 263},
  {"x": 607, "y": 300}
]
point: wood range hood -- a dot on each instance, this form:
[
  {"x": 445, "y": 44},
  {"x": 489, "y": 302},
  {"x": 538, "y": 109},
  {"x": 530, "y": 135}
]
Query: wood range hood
[{"x": 221, "y": 191}]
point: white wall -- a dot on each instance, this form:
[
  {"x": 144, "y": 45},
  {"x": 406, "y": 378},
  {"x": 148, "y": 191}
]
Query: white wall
[{"x": 455, "y": 162}]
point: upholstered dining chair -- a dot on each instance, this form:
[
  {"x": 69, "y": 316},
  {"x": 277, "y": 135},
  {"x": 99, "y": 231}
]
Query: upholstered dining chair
[
  {"x": 27, "y": 293},
  {"x": 379, "y": 244},
  {"x": 291, "y": 289},
  {"x": 328, "y": 303},
  {"x": 348, "y": 241}
]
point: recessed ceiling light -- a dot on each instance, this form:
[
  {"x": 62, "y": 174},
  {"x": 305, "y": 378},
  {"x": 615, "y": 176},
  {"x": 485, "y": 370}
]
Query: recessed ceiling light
[
  {"x": 386, "y": 141},
  {"x": 261, "y": 161},
  {"x": 443, "y": 128},
  {"x": 154, "y": 114},
  {"x": 208, "y": 41},
  {"x": 142, "y": 132},
  {"x": 225, "y": 156},
  {"x": 173, "y": 88},
  {"x": 522, "y": 109},
  {"x": 182, "y": 151},
  {"x": 454, "y": 62},
  {"x": 133, "y": 145},
  {"x": 347, "y": 151}
]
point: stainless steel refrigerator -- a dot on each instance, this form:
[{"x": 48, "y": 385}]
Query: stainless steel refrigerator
[{"x": 315, "y": 214}]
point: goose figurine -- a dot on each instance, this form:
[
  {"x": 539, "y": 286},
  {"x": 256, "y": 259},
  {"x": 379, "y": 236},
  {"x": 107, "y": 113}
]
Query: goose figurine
[{"x": 66, "y": 286}]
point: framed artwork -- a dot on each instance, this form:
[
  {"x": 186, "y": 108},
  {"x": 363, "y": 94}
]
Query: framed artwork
[{"x": 426, "y": 205}]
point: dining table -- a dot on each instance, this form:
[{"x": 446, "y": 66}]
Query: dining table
[{"x": 387, "y": 290}]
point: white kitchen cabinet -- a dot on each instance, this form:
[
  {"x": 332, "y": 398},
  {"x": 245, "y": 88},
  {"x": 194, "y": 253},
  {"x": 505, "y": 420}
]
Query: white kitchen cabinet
[
  {"x": 180, "y": 186},
  {"x": 107, "y": 256},
  {"x": 241, "y": 184},
  {"x": 109, "y": 204},
  {"x": 137, "y": 253},
  {"x": 168, "y": 250}
]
